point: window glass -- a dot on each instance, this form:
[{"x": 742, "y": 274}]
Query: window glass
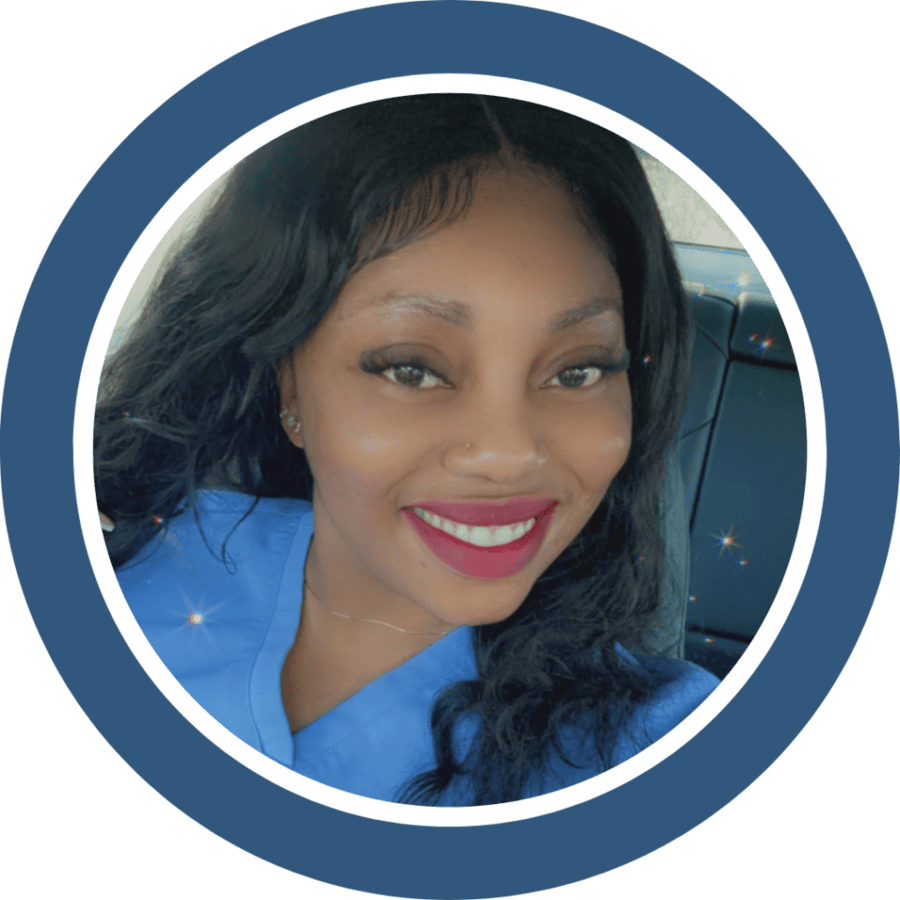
[{"x": 687, "y": 216}]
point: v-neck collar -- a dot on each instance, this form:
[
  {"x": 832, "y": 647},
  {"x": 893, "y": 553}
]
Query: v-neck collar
[
  {"x": 393, "y": 710},
  {"x": 417, "y": 682}
]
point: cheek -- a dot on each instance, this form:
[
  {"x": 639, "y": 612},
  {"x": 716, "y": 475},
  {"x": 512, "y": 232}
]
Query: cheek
[
  {"x": 598, "y": 442},
  {"x": 354, "y": 449}
]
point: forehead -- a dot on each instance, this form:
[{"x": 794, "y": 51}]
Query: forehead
[{"x": 522, "y": 241}]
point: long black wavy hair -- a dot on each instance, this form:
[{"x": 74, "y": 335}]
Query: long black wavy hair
[{"x": 190, "y": 399}]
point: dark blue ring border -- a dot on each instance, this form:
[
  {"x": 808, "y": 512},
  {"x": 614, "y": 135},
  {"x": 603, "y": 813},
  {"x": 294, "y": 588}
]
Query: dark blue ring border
[{"x": 126, "y": 707}]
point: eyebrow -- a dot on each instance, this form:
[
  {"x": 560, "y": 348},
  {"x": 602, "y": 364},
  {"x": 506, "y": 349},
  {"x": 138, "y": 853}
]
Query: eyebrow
[
  {"x": 458, "y": 313},
  {"x": 582, "y": 313},
  {"x": 452, "y": 311}
]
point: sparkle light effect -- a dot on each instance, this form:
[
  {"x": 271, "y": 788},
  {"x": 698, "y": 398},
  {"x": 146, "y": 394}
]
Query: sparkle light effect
[
  {"x": 726, "y": 540},
  {"x": 197, "y": 618},
  {"x": 763, "y": 345},
  {"x": 647, "y": 360}
]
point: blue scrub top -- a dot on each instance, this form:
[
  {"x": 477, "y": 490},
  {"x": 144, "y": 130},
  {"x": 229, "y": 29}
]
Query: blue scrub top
[{"x": 224, "y": 627}]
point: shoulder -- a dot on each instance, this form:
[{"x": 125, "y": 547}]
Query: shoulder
[
  {"x": 675, "y": 688},
  {"x": 223, "y": 521},
  {"x": 678, "y": 687},
  {"x": 227, "y": 544},
  {"x": 216, "y": 596}
]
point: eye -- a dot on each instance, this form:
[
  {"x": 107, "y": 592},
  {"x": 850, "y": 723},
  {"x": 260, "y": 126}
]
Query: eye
[
  {"x": 591, "y": 371},
  {"x": 577, "y": 377},
  {"x": 407, "y": 367},
  {"x": 412, "y": 375}
]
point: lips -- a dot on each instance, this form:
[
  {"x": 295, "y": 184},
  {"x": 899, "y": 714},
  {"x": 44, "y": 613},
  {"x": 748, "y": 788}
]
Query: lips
[
  {"x": 503, "y": 512},
  {"x": 484, "y": 561}
]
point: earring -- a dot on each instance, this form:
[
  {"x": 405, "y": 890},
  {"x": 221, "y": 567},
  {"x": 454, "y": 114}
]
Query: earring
[{"x": 292, "y": 423}]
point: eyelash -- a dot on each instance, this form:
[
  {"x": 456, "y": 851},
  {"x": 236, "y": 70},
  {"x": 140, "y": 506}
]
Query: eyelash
[{"x": 381, "y": 368}]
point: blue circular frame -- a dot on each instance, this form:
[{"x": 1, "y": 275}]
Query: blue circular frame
[{"x": 492, "y": 860}]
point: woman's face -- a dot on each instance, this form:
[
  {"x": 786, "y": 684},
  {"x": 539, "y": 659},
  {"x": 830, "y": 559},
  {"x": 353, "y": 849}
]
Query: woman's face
[{"x": 464, "y": 407}]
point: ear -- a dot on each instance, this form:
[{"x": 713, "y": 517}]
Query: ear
[{"x": 288, "y": 413}]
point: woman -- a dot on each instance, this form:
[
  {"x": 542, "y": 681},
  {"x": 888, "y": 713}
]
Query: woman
[{"x": 385, "y": 452}]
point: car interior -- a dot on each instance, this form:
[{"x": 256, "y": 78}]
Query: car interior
[
  {"x": 736, "y": 486},
  {"x": 742, "y": 460}
]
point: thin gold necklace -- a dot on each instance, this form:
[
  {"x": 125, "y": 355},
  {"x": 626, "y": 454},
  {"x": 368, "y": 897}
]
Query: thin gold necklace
[{"x": 370, "y": 621}]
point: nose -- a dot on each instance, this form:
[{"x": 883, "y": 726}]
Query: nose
[{"x": 499, "y": 440}]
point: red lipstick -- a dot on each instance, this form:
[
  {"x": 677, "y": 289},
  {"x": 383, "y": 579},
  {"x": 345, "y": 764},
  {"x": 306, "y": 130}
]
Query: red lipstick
[
  {"x": 475, "y": 561},
  {"x": 486, "y": 512}
]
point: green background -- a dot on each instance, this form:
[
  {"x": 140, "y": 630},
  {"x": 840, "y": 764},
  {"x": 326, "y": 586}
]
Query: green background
[{"x": 819, "y": 823}]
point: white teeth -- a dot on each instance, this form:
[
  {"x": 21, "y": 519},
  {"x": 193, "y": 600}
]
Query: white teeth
[{"x": 479, "y": 535}]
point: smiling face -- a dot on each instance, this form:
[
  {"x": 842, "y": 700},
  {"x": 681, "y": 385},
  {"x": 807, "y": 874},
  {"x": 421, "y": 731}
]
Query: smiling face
[{"x": 475, "y": 377}]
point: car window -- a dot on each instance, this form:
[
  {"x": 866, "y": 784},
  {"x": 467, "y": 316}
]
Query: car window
[
  {"x": 174, "y": 238},
  {"x": 688, "y": 218}
]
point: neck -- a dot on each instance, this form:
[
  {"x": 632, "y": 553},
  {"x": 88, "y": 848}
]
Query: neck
[{"x": 366, "y": 621}]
